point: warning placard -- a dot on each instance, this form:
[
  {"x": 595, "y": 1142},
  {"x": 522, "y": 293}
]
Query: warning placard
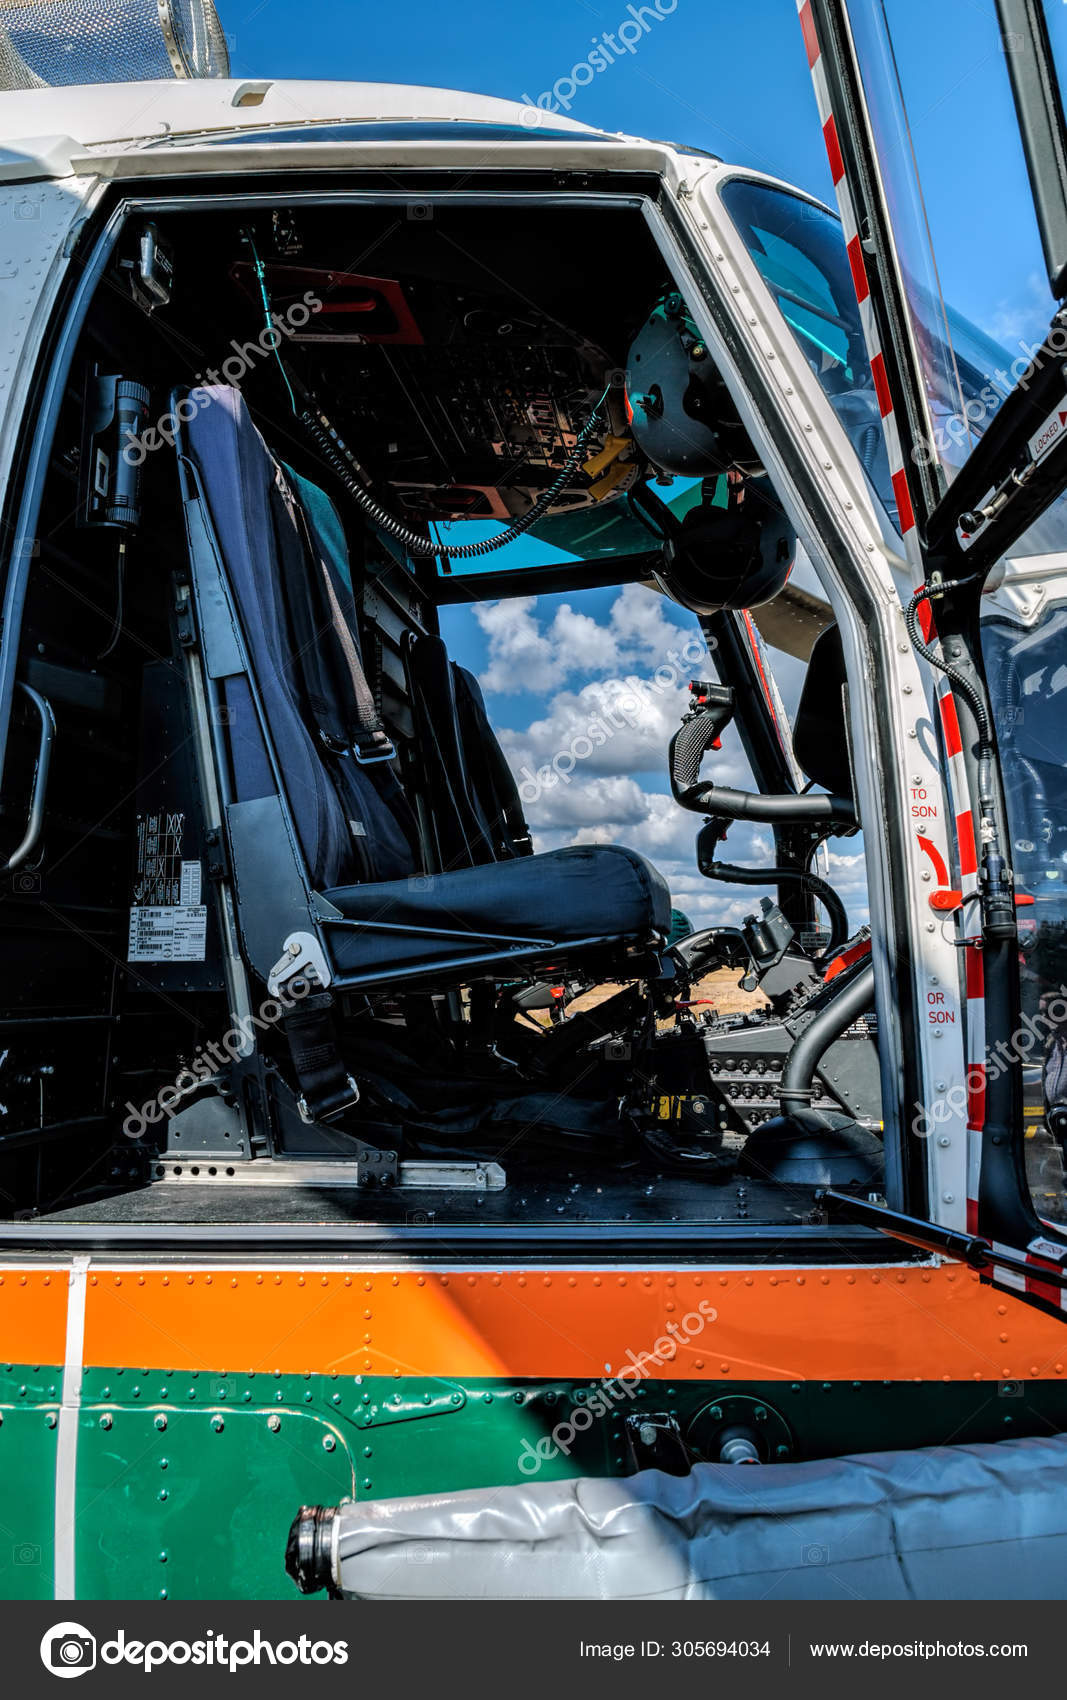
[
  {"x": 168, "y": 921},
  {"x": 189, "y": 889},
  {"x": 1043, "y": 441}
]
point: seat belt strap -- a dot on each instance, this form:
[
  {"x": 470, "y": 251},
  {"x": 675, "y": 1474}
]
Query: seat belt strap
[
  {"x": 327, "y": 1090},
  {"x": 370, "y": 741}
]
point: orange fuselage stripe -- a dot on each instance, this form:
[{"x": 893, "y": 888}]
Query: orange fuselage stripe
[
  {"x": 790, "y": 1324},
  {"x": 33, "y": 1316}
]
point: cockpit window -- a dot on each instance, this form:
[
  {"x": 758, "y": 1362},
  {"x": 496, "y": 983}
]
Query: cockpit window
[{"x": 801, "y": 256}]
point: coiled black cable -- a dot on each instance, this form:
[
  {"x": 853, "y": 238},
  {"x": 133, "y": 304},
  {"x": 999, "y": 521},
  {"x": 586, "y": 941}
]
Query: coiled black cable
[{"x": 337, "y": 456}]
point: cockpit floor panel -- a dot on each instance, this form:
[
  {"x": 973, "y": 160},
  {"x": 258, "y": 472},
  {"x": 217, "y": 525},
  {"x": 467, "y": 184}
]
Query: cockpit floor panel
[{"x": 573, "y": 1198}]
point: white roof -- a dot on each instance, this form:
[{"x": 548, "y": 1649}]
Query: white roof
[{"x": 111, "y": 114}]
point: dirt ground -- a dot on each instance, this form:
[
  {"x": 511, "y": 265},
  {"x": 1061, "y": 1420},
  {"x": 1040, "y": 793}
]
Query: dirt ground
[{"x": 722, "y": 988}]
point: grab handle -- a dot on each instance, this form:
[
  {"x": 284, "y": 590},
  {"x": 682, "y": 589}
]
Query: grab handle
[{"x": 40, "y": 776}]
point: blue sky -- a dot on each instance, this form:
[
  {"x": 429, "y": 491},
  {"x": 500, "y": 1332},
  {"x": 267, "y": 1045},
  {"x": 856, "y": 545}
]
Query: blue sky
[
  {"x": 699, "y": 76},
  {"x": 734, "y": 79}
]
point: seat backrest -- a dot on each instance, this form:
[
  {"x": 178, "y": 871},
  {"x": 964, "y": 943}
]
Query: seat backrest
[
  {"x": 351, "y": 819},
  {"x": 471, "y": 795},
  {"x": 491, "y": 778}
]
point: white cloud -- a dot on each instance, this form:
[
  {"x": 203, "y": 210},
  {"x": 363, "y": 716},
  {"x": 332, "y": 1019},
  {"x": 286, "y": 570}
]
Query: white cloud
[
  {"x": 578, "y": 808},
  {"x": 848, "y": 876},
  {"x": 582, "y": 643},
  {"x": 641, "y": 626},
  {"x": 609, "y": 726},
  {"x": 664, "y": 832},
  {"x": 527, "y": 653},
  {"x": 521, "y": 656}
]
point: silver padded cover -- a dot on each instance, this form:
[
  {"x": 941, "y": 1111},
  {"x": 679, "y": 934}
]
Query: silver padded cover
[{"x": 957, "y": 1522}]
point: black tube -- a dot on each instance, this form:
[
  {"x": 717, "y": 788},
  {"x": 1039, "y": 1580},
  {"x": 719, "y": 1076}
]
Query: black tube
[
  {"x": 826, "y": 894},
  {"x": 829, "y": 1024},
  {"x": 781, "y": 810},
  {"x": 1006, "y": 1210}
]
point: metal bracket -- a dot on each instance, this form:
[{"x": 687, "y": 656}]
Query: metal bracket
[
  {"x": 460, "y": 1177},
  {"x": 170, "y": 40},
  {"x": 209, "y": 1130},
  {"x": 402, "y": 1407},
  {"x": 654, "y": 1442},
  {"x": 337, "y": 1109},
  {"x": 364, "y": 1167},
  {"x": 303, "y": 957}
]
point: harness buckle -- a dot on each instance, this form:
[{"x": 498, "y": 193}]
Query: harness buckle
[{"x": 385, "y": 752}]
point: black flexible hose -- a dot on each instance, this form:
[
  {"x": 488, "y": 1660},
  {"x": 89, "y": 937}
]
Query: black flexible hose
[
  {"x": 337, "y": 456},
  {"x": 996, "y": 891},
  {"x": 959, "y": 682},
  {"x": 826, "y": 894},
  {"x": 779, "y": 807},
  {"x": 799, "y": 1072}
]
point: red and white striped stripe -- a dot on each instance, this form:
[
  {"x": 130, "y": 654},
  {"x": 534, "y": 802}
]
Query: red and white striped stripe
[
  {"x": 1050, "y": 1291},
  {"x": 967, "y": 848},
  {"x": 966, "y": 837},
  {"x": 850, "y": 223},
  {"x": 1046, "y": 1290}
]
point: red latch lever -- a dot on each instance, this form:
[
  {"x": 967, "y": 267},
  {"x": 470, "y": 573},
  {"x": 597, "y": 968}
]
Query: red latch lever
[{"x": 946, "y": 901}]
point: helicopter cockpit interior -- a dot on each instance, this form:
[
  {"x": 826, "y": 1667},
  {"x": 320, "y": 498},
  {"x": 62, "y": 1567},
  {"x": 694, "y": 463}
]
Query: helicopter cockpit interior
[{"x": 283, "y": 942}]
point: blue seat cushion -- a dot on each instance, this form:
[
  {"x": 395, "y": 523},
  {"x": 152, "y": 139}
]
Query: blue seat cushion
[{"x": 560, "y": 899}]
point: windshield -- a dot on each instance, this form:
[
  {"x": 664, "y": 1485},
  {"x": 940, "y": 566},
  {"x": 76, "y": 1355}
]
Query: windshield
[
  {"x": 801, "y": 254},
  {"x": 802, "y": 258}
]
